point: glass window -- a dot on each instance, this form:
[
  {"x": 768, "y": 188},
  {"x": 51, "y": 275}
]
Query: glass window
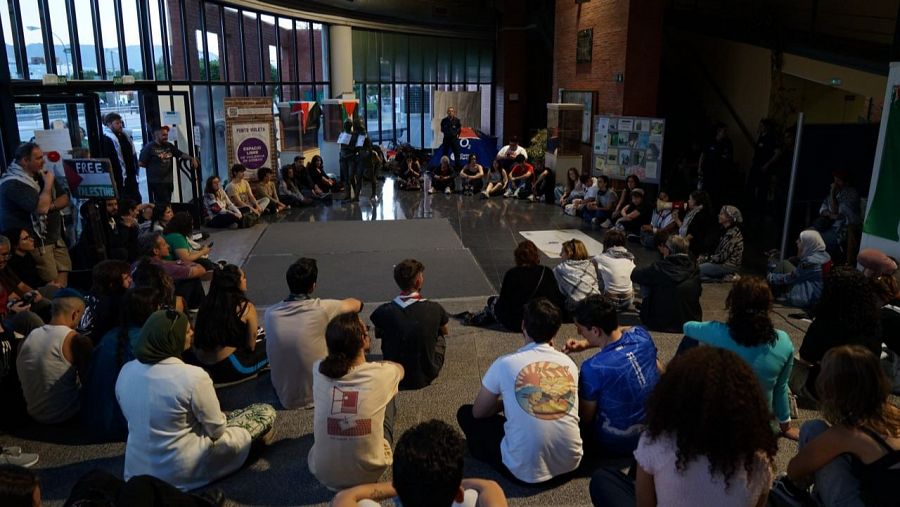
[
  {"x": 386, "y": 57},
  {"x": 400, "y": 109},
  {"x": 287, "y": 59},
  {"x": 62, "y": 44},
  {"x": 359, "y": 41},
  {"x": 304, "y": 51},
  {"x": 178, "y": 67},
  {"x": 235, "y": 46},
  {"x": 387, "y": 114},
  {"x": 218, "y": 99},
  {"x": 273, "y": 64},
  {"x": 214, "y": 41},
  {"x": 426, "y": 119},
  {"x": 416, "y": 96},
  {"x": 429, "y": 59},
  {"x": 320, "y": 55},
  {"x": 401, "y": 58},
  {"x": 5, "y": 20},
  {"x": 201, "y": 61},
  {"x": 34, "y": 42},
  {"x": 270, "y": 50},
  {"x": 458, "y": 68},
  {"x": 252, "y": 55},
  {"x": 444, "y": 56},
  {"x": 486, "y": 64},
  {"x": 200, "y": 104},
  {"x": 473, "y": 53},
  {"x": 132, "y": 38},
  {"x": 371, "y": 98},
  {"x": 415, "y": 58}
]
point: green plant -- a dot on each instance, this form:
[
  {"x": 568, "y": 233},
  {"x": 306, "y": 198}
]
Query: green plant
[{"x": 537, "y": 149}]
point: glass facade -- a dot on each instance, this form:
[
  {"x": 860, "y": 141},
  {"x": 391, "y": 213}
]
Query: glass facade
[{"x": 396, "y": 75}]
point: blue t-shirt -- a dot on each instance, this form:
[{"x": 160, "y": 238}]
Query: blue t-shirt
[
  {"x": 100, "y": 413},
  {"x": 619, "y": 379}
]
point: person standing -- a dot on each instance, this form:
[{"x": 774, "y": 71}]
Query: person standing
[
  {"x": 715, "y": 164},
  {"x": 349, "y": 153},
  {"x": 450, "y": 127},
  {"x": 765, "y": 154},
  {"x": 157, "y": 158},
  {"x": 32, "y": 199},
  {"x": 118, "y": 147}
]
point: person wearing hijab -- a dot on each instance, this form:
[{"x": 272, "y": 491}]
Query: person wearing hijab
[
  {"x": 176, "y": 430},
  {"x": 724, "y": 263},
  {"x": 799, "y": 281}
]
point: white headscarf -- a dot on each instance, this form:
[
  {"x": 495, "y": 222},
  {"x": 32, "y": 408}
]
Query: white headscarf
[{"x": 810, "y": 242}]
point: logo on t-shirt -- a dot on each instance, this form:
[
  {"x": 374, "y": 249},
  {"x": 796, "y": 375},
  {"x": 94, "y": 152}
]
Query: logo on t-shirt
[
  {"x": 345, "y": 405},
  {"x": 546, "y": 390}
]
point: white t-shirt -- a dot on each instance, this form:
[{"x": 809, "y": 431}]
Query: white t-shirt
[
  {"x": 349, "y": 447},
  {"x": 694, "y": 485},
  {"x": 506, "y": 152},
  {"x": 295, "y": 339},
  {"x": 615, "y": 271},
  {"x": 539, "y": 386}
]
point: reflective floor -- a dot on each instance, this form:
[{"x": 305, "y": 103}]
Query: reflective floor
[{"x": 488, "y": 227}]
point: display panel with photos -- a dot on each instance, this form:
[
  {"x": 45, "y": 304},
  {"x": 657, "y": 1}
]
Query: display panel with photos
[{"x": 629, "y": 145}]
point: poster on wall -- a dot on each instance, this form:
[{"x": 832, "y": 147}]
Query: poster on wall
[
  {"x": 629, "y": 145},
  {"x": 250, "y": 132}
]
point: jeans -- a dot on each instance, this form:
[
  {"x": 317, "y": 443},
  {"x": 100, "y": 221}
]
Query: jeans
[
  {"x": 223, "y": 221},
  {"x": 160, "y": 193},
  {"x": 611, "y": 488},
  {"x": 835, "y": 484},
  {"x": 589, "y": 214},
  {"x": 711, "y": 272}
]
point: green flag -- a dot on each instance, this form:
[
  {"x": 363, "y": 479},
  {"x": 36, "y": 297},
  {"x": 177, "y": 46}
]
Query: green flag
[{"x": 884, "y": 213}]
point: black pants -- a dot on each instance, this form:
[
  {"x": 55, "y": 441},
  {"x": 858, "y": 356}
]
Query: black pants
[
  {"x": 610, "y": 487},
  {"x": 451, "y": 145},
  {"x": 473, "y": 185},
  {"x": 160, "y": 192},
  {"x": 223, "y": 221},
  {"x": 440, "y": 185},
  {"x": 100, "y": 488},
  {"x": 191, "y": 290},
  {"x": 240, "y": 365},
  {"x": 483, "y": 437}
]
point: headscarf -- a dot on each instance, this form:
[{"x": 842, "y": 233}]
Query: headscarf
[
  {"x": 810, "y": 242},
  {"x": 733, "y": 214},
  {"x": 162, "y": 337}
]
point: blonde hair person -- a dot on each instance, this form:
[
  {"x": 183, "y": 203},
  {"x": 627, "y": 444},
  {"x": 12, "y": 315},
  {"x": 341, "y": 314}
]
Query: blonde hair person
[{"x": 576, "y": 274}]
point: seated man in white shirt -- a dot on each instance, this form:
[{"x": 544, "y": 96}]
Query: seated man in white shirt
[
  {"x": 507, "y": 154},
  {"x": 295, "y": 333},
  {"x": 537, "y": 437}
]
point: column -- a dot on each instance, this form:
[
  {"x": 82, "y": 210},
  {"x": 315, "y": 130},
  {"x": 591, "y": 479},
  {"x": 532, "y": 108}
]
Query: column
[{"x": 340, "y": 45}]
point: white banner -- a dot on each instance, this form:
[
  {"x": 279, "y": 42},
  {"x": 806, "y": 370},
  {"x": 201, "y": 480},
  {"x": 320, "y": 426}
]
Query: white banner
[{"x": 251, "y": 144}]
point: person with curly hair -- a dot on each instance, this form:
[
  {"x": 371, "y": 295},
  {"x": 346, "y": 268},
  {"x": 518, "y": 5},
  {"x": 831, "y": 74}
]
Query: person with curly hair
[
  {"x": 848, "y": 313},
  {"x": 749, "y": 333},
  {"x": 427, "y": 471},
  {"x": 707, "y": 440},
  {"x": 109, "y": 281},
  {"x": 228, "y": 343},
  {"x": 851, "y": 456},
  {"x": 178, "y": 236}
]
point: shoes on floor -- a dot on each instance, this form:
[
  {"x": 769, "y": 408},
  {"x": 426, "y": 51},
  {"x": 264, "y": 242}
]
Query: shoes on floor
[
  {"x": 462, "y": 315},
  {"x": 15, "y": 456},
  {"x": 606, "y": 224},
  {"x": 516, "y": 193},
  {"x": 484, "y": 195},
  {"x": 448, "y": 191},
  {"x": 531, "y": 198},
  {"x": 508, "y": 193},
  {"x": 431, "y": 190}
]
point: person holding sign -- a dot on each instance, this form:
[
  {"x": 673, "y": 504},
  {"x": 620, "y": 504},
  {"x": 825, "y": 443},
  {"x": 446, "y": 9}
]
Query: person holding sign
[{"x": 156, "y": 158}]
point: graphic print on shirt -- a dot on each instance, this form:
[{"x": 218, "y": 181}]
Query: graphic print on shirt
[
  {"x": 546, "y": 390},
  {"x": 344, "y": 408}
]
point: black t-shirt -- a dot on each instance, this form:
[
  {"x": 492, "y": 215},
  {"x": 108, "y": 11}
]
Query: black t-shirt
[
  {"x": 127, "y": 154},
  {"x": 764, "y": 150},
  {"x": 26, "y": 269},
  {"x": 520, "y": 285},
  {"x": 411, "y": 336},
  {"x": 158, "y": 159}
]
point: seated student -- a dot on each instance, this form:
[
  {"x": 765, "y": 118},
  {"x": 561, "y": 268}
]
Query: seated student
[
  {"x": 537, "y": 437},
  {"x": 632, "y": 182},
  {"x": 543, "y": 186},
  {"x": 295, "y": 333},
  {"x": 527, "y": 281},
  {"x": 427, "y": 471},
  {"x": 634, "y": 215},
  {"x": 495, "y": 180},
  {"x": 412, "y": 329},
  {"x": 851, "y": 456},
  {"x": 564, "y": 194},
  {"x": 724, "y": 263},
  {"x": 127, "y": 229},
  {"x": 187, "y": 276},
  {"x": 614, "y": 383},
  {"x": 839, "y": 212},
  {"x": 697, "y": 224},
  {"x": 662, "y": 221},
  {"x": 146, "y": 274},
  {"x": 887, "y": 289},
  {"x": 509, "y": 153},
  {"x": 444, "y": 178},
  {"x": 352, "y": 437},
  {"x": 109, "y": 281},
  {"x": 800, "y": 280},
  {"x": 98, "y": 488},
  {"x": 227, "y": 339},
  {"x": 599, "y": 201},
  {"x": 158, "y": 219},
  {"x": 100, "y": 414},
  {"x": 176, "y": 430},
  {"x": 51, "y": 361},
  {"x": 21, "y": 261},
  {"x": 18, "y": 296},
  {"x": 265, "y": 188},
  {"x": 615, "y": 265},
  {"x": 521, "y": 179},
  {"x": 749, "y": 333},
  {"x": 221, "y": 212},
  {"x": 670, "y": 288},
  {"x": 590, "y": 187},
  {"x": 240, "y": 193},
  {"x": 472, "y": 176},
  {"x": 177, "y": 235},
  {"x": 288, "y": 192},
  {"x": 576, "y": 274},
  {"x": 316, "y": 172},
  {"x": 848, "y": 313},
  {"x": 707, "y": 441},
  {"x": 410, "y": 174}
]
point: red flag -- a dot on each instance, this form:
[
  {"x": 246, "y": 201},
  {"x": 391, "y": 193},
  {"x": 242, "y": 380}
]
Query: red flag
[
  {"x": 304, "y": 109},
  {"x": 349, "y": 107}
]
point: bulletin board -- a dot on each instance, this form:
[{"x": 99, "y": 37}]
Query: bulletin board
[{"x": 626, "y": 145}]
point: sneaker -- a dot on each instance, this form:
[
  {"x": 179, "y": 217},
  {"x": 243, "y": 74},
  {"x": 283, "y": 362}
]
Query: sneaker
[
  {"x": 508, "y": 193},
  {"x": 731, "y": 278},
  {"x": 516, "y": 193},
  {"x": 15, "y": 456},
  {"x": 484, "y": 195},
  {"x": 606, "y": 224},
  {"x": 448, "y": 191},
  {"x": 531, "y": 198},
  {"x": 431, "y": 190}
]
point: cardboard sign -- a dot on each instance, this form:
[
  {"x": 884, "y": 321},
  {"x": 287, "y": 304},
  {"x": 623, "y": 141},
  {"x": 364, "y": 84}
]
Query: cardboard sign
[{"x": 90, "y": 178}]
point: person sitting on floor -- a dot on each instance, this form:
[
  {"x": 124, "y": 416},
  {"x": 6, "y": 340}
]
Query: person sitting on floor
[
  {"x": 536, "y": 388},
  {"x": 567, "y": 193},
  {"x": 887, "y": 288},
  {"x": 288, "y": 192},
  {"x": 444, "y": 178},
  {"x": 495, "y": 180},
  {"x": 697, "y": 224},
  {"x": 528, "y": 280},
  {"x": 146, "y": 274},
  {"x": 109, "y": 281},
  {"x": 352, "y": 438},
  {"x": 21, "y": 261},
  {"x": 100, "y": 414},
  {"x": 126, "y": 230},
  {"x": 670, "y": 288},
  {"x": 615, "y": 265},
  {"x": 724, "y": 263},
  {"x": 634, "y": 215},
  {"x": 800, "y": 279},
  {"x": 521, "y": 179},
  {"x": 98, "y": 488},
  {"x": 576, "y": 274},
  {"x": 839, "y": 212},
  {"x": 295, "y": 333},
  {"x": 51, "y": 361},
  {"x": 472, "y": 176},
  {"x": 851, "y": 456},
  {"x": 178, "y": 236},
  {"x": 316, "y": 172},
  {"x": 177, "y": 431},
  {"x": 221, "y": 212},
  {"x": 599, "y": 201},
  {"x": 662, "y": 221},
  {"x": 227, "y": 343},
  {"x": 240, "y": 193},
  {"x": 707, "y": 441},
  {"x": 187, "y": 276},
  {"x": 412, "y": 329},
  {"x": 614, "y": 383},
  {"x": 20, "y": 297},
  {"x": 427, "y": 471},
  {"x": 410, "y": 174},
  {"x": 543, "y": 186},
  {"x": 160, "y": 216},
  {"x": 265, "y": 188},
  {"x": 632, "y": 182},
  {"x": 749, "y": 333}
]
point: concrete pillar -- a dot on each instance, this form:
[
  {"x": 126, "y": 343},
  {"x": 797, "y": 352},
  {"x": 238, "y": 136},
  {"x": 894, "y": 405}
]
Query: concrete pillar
[{"x": 340, "y": 44}]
